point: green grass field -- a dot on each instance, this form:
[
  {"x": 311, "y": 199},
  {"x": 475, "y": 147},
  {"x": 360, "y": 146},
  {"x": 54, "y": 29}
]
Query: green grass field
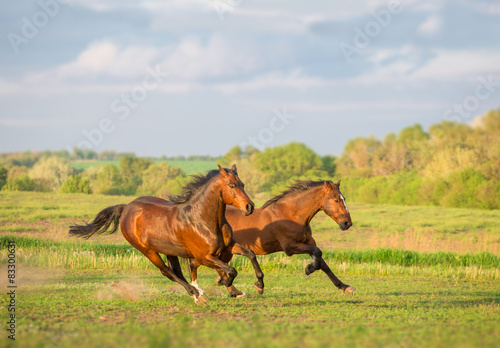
[
  {"x": 189, "y": 167},
  {"x": 425, "y": 276}
]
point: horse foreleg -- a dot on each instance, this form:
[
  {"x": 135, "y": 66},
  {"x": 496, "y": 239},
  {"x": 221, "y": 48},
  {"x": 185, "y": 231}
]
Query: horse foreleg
[
  {"x": 317, "y": 263},
  {"x": 223, "y": 269},
  {"x": 193, "y": 264},
  {"x": 239, "y": 250},
  {"x": 336, "y": 281},
  {"x": 168, "y": 272},
  {"x": 313, "y": 251},
  {"x": 233, "y": 292}
]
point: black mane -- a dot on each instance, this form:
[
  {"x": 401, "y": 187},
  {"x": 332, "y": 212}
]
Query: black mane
[
  {"x": 296, "y": 187},
  {"x": 195, "y": 185}
]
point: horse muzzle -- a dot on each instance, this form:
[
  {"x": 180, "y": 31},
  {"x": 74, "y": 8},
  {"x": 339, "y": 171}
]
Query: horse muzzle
[{"x": 345, "y": 225}]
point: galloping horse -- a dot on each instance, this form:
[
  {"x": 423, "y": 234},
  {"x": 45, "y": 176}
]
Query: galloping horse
[
  {"x": 191, "y": 225},
  {"x": 282, "y": 224}
]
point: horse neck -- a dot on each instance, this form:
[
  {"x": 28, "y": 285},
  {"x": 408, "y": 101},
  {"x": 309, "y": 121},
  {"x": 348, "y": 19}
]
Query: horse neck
[
  {"x": 209, "y": 207},
  {"x": 305, "y": 205}
]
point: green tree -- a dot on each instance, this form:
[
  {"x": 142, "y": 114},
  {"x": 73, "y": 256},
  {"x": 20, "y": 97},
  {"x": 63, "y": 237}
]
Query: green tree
[
  {"x": 21, "y": 183},
  {"x": 76, "y": 184},
  {"x": 329, "y": 165},
  {"x": 412, "y": 134},
  {"x": 233, "y": 156},
  {"x": 3, "y": 176},
  {"x": 108, "y": 181},
  {"x": 287, "y": 162},
  {"x": 450, "y": 134},
  {"x": 490, "y": 122},
  {"x": 51, "y": 172},
  {"x": 131, "y": 170},
  {"x": 157, "y": 176},
  {"x": 356, "y": 160}
]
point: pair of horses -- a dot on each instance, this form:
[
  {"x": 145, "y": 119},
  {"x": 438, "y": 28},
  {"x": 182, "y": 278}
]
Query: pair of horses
[{"x": 198, "y": 224}]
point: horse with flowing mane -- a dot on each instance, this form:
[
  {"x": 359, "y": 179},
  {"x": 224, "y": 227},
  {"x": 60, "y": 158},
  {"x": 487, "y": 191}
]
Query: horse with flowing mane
[
  {"x": 283, "y": 224},
  {"x": 191, "y": 225}
]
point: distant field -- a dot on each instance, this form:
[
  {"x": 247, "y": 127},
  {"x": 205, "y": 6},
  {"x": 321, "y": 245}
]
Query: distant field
[
  {"x": 422, "y": 229},
  {"x": 425, "y": 276},
  {"x": 189, "y": 167}
]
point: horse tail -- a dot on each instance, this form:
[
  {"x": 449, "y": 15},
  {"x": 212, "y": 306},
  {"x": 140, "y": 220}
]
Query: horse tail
[{"x": 101, "y": 223}]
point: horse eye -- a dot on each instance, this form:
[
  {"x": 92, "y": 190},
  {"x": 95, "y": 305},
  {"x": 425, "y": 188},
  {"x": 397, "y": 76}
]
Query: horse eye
[
  {"x": 231, "y": 186},
  {"x": 336, "y": 201}
]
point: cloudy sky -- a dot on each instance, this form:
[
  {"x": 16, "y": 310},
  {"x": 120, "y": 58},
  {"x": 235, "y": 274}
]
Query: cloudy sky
[{"x": 198, "y": 77}]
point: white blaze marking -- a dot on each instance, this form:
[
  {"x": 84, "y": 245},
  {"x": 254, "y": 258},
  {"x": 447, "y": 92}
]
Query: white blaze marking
[{"x": 343, "y": 200}]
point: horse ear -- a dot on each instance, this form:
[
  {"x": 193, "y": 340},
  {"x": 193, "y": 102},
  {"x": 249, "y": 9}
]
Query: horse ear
[
  {"x": 338, "y": 184},
  {"x": 222, "y": 170},
  {"x": 328, "y": 185},
  {"x": 234, "y": 168}
]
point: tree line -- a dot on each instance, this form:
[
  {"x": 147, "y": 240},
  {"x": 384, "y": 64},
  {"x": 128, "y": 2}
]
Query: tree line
[{"x": 451, "y": 164}]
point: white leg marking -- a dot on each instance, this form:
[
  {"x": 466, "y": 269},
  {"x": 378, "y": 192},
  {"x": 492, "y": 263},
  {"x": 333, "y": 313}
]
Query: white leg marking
[{"x": 195, "y": 284}]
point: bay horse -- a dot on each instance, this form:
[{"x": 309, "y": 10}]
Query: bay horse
[
  {"x": 190, "y": 225},
  {"x": 283, "y": 224}
]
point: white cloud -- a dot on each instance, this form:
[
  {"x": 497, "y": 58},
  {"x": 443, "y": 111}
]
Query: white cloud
[
  {"x": 105, "y": 58},
  {"x": 409, "y": 65},
  {"x": 431, "y": 26},
  {"x": 295, "y": 80},
  {"x": 192, "y": 60},
  {"x": 459, "y": 64},
  {"x": 487, "y": 8}
]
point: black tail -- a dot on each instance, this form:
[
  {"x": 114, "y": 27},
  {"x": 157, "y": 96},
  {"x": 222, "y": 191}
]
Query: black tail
[{"x": 101, "y": 223}]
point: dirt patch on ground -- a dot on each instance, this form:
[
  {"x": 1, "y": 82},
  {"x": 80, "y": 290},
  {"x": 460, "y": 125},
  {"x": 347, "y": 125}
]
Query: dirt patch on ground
[
  {"x": 27, "y": 276},
  {"x": 131, "y": 290}
]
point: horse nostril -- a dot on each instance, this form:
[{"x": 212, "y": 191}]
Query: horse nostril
[{"x": 250, "y": 208}]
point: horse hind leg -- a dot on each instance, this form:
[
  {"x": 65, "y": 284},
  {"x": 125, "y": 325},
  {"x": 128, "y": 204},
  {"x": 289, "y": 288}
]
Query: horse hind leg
[
  {"x": 193, "y": 266},
  {"x": 168, "y": 272}
]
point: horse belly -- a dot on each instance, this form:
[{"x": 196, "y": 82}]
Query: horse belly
[
  {"x": 168, "y": 246},
  {"x": 260, "y": 242}
]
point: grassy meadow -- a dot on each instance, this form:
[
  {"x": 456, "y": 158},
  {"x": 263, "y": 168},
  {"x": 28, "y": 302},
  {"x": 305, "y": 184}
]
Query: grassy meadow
[{"x": 425, "y": 276}]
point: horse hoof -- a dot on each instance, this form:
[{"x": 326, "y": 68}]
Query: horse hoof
[
  {"x": 349, "y": 290},
  {"x": 258, "y": 290},
  {"x": 309, "y": 269},
  {"x": 200, "y": 300},
  {"x": 242, "y": 295}
]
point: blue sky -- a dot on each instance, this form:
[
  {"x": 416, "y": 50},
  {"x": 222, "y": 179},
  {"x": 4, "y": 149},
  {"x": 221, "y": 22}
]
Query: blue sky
[{"x": 198, "y": 77}]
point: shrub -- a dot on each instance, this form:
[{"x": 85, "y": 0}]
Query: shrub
[
  {"x": 20, "y": 183},
  {"x": 463, "y": 189},
  {"x": 76, "y": 184},
  {"x": 51, "y": 172},
  {"x": 3, "y": 176}
]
